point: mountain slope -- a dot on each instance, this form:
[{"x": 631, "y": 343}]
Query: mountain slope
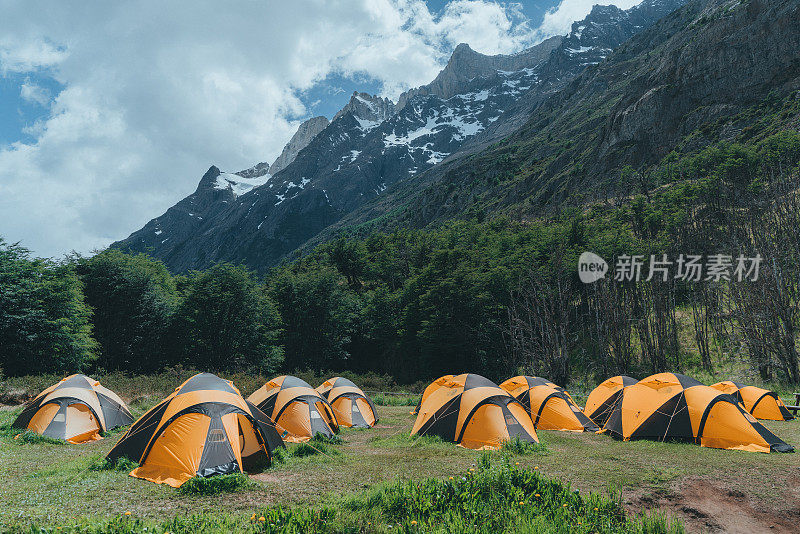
[
  {"x": 373, "y": 144},
  {"x": 697, "y": 77}
]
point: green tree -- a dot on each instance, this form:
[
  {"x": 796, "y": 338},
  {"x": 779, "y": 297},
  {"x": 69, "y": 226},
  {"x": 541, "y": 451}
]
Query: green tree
[
  {"x": 44, "y": 322},
  {"x": 348, "y": 258},
  {"x": 226, "y": 321},
  {"x": 133, "y": 297},
  {"x": 318, "y": 315}
]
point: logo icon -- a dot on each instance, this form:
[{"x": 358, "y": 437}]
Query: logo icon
[{"x": 591, "y": 267}]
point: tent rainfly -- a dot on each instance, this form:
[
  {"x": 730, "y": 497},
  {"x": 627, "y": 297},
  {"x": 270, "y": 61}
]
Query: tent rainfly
[
  {"x": 549, "y": 405},
  {"x": 604, "y": 397},
  {"x": 761, "y": 403},
  {"x": 670, "y": 406},
  {"x": 353, "y": 409},
  {"x": 474, "y": 412},
  {"x": 204, "y": 428},
  {"x": 433, "y": 386},
  {"x": 298, "y": 410},
  {"x": 76, "y": 409}
]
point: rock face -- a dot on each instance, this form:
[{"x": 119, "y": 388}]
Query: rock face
[
  {"x": 260, "y": 215},
  {"x": 466, "y": 64},
  {"x": 302, "y": 137}
]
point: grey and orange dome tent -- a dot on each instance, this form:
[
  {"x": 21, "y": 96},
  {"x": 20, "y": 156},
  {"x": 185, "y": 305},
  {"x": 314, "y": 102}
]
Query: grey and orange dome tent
[
  {"x": 761, "y": 403},
  {"x": 76, "y": 409},
  {"x": 549, "y": 405},
  {"x": 298, "y": 410},
  {"x": 603, "y": 398},
  {"x": 433, "y": 386},
  {"x": 204, "y": 428},
  {"x": 474, "y": 412},
  {"x": 670, "y": 406},
  {"x": 352, "y": 408}
]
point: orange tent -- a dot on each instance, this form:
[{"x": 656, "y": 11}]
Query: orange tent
[
  {"x": 603, "y": 398},
  {"x": 761, "y": 403},
  {"x": 474, "y": 412},
  {"x": 353, "y": 409},
  {"x": 549, "y": 405},
  {"x": 297, "y": 409},
  {"x": 433, "y": 386},
  {"x": 76, "y": 409},
  {"x": 669, "y": 406},
  {"x": 204, "y": 428}
]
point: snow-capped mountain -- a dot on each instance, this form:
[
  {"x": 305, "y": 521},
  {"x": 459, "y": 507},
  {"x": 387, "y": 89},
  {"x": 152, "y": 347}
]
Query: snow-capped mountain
[{"x": 258, "y": 215}]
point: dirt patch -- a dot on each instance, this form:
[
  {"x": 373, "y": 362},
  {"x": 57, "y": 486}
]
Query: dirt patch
[
  {"x": 15, "y": 396},
  {"x": 276, "y": 477},
  {"x": 713, "y": 506}
]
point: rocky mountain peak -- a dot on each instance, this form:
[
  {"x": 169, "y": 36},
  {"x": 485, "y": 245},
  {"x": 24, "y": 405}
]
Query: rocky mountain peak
[
  {"x": 367, "y": 107},
  {"x": 465, "y": 64},
  {"x": 307, "y": 131},
  {"x": 209, "y": 178}
]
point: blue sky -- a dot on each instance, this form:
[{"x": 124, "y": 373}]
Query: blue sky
[
  {"x": 17, "y": 114},
  {"x": 110, "y": 112}
]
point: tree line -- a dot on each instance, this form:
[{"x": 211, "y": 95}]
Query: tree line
[{"x": 494, "y": 296}]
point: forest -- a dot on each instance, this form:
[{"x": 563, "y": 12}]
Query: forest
[{"x": 488, "y": 295}]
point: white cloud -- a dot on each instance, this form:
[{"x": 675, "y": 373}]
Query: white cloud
[
  {"x": 34, "y": 93},
  {"x": 156, "y": 92},
  {"x": 559, "y": 21},
  {"x": 26, "y": 55}
]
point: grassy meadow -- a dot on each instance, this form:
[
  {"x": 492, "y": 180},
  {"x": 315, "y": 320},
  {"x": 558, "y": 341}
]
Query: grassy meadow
[{"x": 381, "y": 479}]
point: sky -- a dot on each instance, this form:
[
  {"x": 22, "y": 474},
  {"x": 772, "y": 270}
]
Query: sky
[{"x": 110, "y": 112}]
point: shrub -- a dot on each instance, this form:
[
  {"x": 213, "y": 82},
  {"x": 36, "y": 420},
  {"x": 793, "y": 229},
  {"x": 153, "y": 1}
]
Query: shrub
[
  {"x": 121, "y": 464},
  {"x": 29, "y": 436},
  {"x": 521, "y": 447}
]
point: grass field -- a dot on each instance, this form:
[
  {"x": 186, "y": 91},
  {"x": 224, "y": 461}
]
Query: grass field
[{"x": 707, "y": 489}]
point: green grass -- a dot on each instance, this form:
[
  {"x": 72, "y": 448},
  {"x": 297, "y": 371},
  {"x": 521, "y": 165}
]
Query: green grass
[
  {"x": 216, "y": 484},
  {"x": 310, "y": 448},
  {"x": 638, "y": 474},
  {"x": 29, "y": 436},
  {"x": 121, "y": 464},
  {"x": 518, "y": 446},
  {"x": 497, "y": 497},
  {"x": 383, "y": 399}
]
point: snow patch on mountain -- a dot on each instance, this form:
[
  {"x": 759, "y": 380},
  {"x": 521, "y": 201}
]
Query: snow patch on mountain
[
  {"x": 581, "y": 50},
  {"x": 238, "y": 185}
]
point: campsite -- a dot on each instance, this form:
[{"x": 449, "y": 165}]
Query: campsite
[
  {"x": 64, "y": 485},
  {"x": 400, "y": 266}
]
